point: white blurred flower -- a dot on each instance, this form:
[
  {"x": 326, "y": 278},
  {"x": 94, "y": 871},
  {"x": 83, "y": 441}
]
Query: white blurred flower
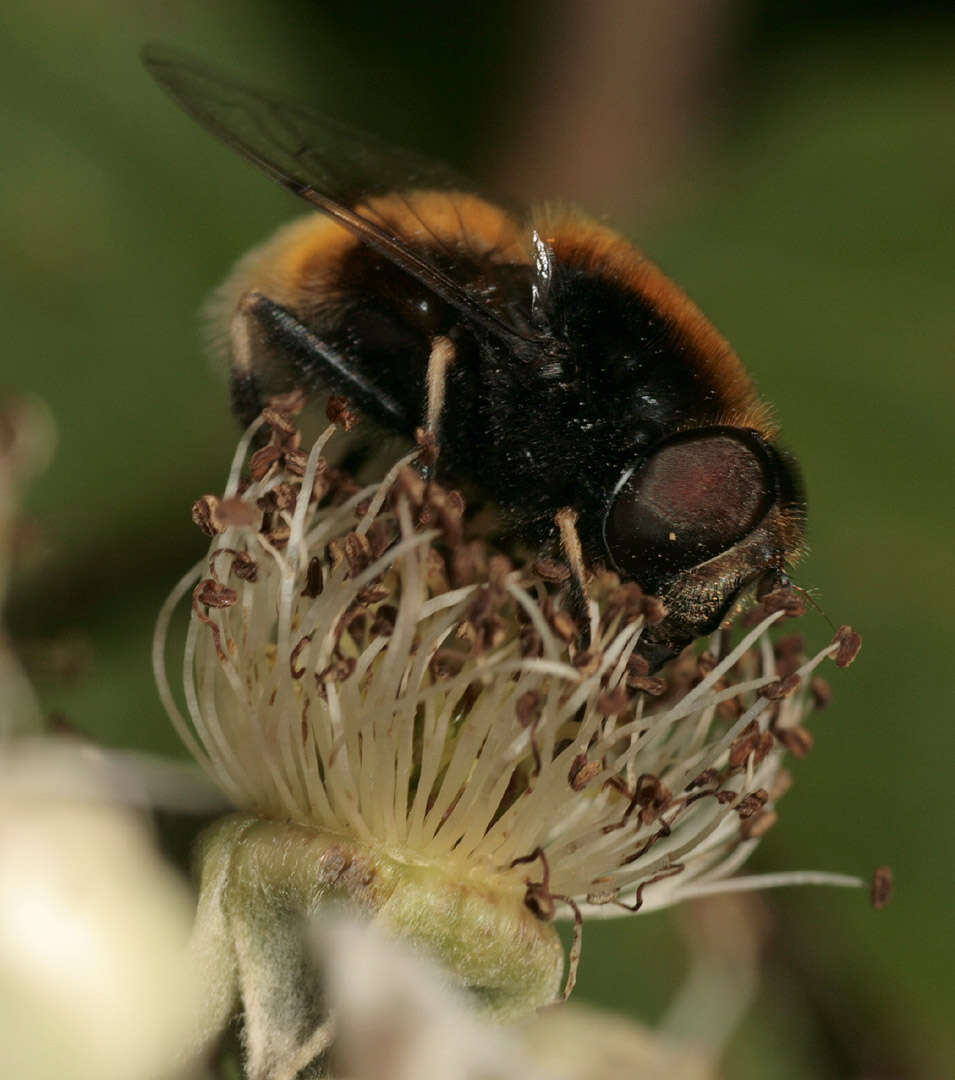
[
  {"x": 92, "y": 927},
  {"x": 396, "y": 1015}
]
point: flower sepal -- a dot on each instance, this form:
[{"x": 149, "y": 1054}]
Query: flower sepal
[{"x": 265, "y": 885}]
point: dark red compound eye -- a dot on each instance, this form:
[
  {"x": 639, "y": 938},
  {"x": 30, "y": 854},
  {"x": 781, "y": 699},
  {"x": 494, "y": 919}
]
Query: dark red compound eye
[{"x": 694, "y": 497}]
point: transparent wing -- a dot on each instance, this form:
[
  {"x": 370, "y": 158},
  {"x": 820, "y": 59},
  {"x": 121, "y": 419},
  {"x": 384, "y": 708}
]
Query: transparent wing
[{"x": 327, "y": 163}]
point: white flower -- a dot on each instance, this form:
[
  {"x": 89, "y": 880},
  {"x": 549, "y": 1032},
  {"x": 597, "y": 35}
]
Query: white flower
[
  {"x": 93, "y": 924},
  {"x": 410, "y": 724}
]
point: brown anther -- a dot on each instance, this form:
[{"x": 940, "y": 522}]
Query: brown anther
[
  {"x": 212, "y": 594},
  {"x": 539, "y": 902},
  {"x": 759, "y": 824},
  {"x": 287, "y": 441},
  {"x": 654, "y": 610},
  {"x": 324, "y": 483},
  {"x": 278, "y": 535},
  {"x": 447, "y": 662},
  {"x": 340, "y": 412},
  {"x": 627, "y": 600},
  {"x": 705, "y": 663},
  {"x": 448, "y": 513},
  {"x": 262, "y": 460},
  {"x": 682, "y": 672},
  {"x": 203, "y": 514},
  {"x": 564, "y": 626},
  {"x": 372, "y": 594},
  {"x": 538, "y": 897},
  {"x": 791, "y": 602},
  {"x": 781, "y": 688},
  {"x": 638, "y": 666},
  {"x": 766, "y": 744},
  {"x": 587, "y": 661},
  {"x": 649, "y": 814},
  {"x": 551, "y": 571},
  {"x": 296, "y": 672},
  {"x": 381, "y": 535},
  {"x": 237, "y": 512},
  {"x": 385, "y": 618},
  {"x": 532, "y": 644},
  {"x": 724, "y": 796},
  {"x": 746, "y": 742},
  {"x": 314, "y": 578},
  {"x": 455, "y": 501},
  {"x": 351, "y": 621},
  {"x": 464, "y": 564},
  {"x": 797, "y": 739},
  {"x": 652, "y": 796},
  {"x": 582, "y": 772},
  {"x": 647, "y": 684},
  {"x": 821, "y": 692},
  {"x": 484, "y": 629},
  {"x": 705, "y": 778},
  {"x": 730, "y": 709},
  {"x": 619, "y": 785},
  {"x": 209, "y": 593},
  {"x": 279, "y": 421},
  {"x": 337, "y": 671},
  {"x": 437, "y": 572},
  {"x": 880, "y": 891},
  {"x": 751, "y": 804},
  {"x": 451, "y": 523},
  {"x": 427, "y": 515},
  {"x": 285, "y": 495},
  {"x": 296, "y": 462},
  {"x": 783, "y": 598},
  {"x": 528, "y": 708},
  {"x": 357, "y": 552},
  {"x": 491, "y": 634},
  {"x": 849, "y": 643},
  {"x": 479, "y": 606},
  {"x": 613, "y": 702},
  {"x": 244, "y": 566}
]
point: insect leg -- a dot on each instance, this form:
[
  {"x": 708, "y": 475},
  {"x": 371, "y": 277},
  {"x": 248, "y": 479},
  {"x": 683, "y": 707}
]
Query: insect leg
[
  {"x": 441, "y": 358},
  {"x": 312, "y": 361},
  {"x": 566, "y": 520}
]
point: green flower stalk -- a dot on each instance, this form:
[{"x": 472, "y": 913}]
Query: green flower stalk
[{"x": 416, "y": 728}]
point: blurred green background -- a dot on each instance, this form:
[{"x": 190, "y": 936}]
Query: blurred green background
[{"x": 791, "y": 164}]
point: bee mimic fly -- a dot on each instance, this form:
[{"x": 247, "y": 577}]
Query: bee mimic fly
[{"x": 560, "y": 370}]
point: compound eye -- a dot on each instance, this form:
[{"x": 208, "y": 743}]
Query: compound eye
[{"x": 692, "y": 499}]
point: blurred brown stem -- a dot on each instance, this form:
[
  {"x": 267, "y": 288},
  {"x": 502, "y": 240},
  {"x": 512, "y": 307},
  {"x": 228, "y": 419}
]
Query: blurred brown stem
[{"x": 615, "y": 93}]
